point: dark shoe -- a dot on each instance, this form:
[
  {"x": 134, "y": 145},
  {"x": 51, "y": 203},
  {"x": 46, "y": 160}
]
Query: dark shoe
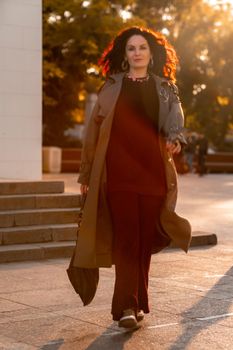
[
  {"x": 128, "y": 320},
  {"x": 140, "y": 315}
]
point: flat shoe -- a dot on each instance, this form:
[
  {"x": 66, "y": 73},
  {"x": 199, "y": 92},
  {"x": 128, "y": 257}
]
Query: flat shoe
[
  {"x": 128, "y": 320},
  {"x": 140, "y": 315}
]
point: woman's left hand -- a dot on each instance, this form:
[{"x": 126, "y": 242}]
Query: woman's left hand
[{"x": 173, "y": 147}]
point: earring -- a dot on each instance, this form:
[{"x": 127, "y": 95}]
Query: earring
[
  {"x": 151, "y": 63},
  {"x": 124, "y": 65}
]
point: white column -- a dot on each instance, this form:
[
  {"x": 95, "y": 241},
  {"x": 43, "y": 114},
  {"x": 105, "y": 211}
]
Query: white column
[{"x": 21, "y": 89}]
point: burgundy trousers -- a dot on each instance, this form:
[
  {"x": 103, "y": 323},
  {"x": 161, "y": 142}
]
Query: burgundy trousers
[{"x": 134, "y": 218}]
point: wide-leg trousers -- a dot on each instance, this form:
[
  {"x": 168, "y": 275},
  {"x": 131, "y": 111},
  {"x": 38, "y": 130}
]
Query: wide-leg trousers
[{"x": 134, "y": 219}]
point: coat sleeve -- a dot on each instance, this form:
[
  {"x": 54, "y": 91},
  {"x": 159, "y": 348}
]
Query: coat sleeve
[
  {"x": 89, "y": 145},
  {"x": 175, "y": 120},
  {"x": 91, "y": 138}
]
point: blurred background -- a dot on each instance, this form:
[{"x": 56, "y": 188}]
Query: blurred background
[{"x": 76, "y": 32}]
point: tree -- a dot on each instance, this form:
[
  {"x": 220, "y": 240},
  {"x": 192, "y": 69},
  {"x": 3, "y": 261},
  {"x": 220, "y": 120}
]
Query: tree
[
  {"x": 203, "y": 45},
  {"x": 76, "y": 33}
]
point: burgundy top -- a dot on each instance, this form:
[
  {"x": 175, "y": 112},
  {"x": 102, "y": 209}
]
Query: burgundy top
[{"x": 134, "y": 161}]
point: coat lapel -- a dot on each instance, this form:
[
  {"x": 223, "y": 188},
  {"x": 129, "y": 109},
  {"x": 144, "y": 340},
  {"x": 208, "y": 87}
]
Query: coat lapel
[{"x": 163, "y": 99}]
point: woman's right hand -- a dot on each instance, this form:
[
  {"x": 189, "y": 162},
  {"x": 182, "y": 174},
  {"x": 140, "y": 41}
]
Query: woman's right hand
[
  {"x": 173, "y": 147},
  {"x": 84, "y": 189}
]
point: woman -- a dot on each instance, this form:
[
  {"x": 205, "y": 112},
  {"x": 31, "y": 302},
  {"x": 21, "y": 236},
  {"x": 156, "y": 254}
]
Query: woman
[{"x": 127, "y": 169}]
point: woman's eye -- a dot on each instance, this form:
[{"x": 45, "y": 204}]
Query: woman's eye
[{"x": 140, "y": 48}]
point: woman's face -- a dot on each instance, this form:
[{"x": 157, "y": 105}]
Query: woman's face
[{"x": 137, "y": 52}]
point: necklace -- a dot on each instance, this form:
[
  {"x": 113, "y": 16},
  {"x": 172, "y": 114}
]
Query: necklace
[{"x": 140, "y": 80}]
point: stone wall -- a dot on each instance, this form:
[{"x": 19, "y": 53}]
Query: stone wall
[{"x": 20, "y": 89}]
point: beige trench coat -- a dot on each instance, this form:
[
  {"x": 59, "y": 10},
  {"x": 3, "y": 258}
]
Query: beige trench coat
[{"x": 94, "y": 243}]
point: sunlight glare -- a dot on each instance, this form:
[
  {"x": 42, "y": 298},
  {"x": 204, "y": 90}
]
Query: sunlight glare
[
  {"x": 226, "y": 5},
  {"x": 86, "y": 3},
  {"x": 125, "y": 15},
  {"x": 165, "y": 31},
  {"x": 215, "y": 3}
]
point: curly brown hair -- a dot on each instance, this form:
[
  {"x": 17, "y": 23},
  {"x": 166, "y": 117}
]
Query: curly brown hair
[{"x": 164, "y": 55}]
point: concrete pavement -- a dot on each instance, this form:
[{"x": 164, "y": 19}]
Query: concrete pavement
[{"x": 191, "y": 296}]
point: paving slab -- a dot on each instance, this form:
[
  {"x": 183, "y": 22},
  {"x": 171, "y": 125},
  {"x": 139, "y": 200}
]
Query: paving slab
[
  {"x": 44, "y": 312},
  {"x": 9, "y": 344},
  {"x": 9, "y": 305},
  {"x": 191, "y": 295},
  {"x": 54, "y": 330},
  {"x": 194, "y": 336}
]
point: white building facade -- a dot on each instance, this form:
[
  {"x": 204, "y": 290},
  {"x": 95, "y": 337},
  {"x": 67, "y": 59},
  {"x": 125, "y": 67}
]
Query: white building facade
[{"x": 21, "y": 89}]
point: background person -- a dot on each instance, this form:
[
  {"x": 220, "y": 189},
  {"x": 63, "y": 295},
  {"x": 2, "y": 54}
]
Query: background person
[
  {"x": 202, "y": 150},
  {"x": 190, "y": 150},
  {"x": 127, "y": 169}
]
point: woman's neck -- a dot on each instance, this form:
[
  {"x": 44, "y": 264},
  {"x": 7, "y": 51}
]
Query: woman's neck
[{"x": 140, "y": 73}]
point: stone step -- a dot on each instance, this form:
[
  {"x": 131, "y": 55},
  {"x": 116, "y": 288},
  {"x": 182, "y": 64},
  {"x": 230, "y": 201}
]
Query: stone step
[
  {"x": 201, "y": 238},
  {"x": 36, "y": 251},
  {"x": 37, "y": 234},
  {"x": 39, "y": 201},
  {"x": 52, "y": 250},
  {"x": 16, "y": 218},
  {"x": 26, "y": 187}
]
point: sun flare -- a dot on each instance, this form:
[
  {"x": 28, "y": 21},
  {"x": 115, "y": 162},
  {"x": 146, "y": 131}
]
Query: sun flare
[
  {"x": 217, "y": 3},
  {"x": 225, "y": 5}
]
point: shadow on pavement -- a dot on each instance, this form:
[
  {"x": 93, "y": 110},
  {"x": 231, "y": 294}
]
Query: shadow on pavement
[
  {"x": 53, "y": 344},
  {"x": 112, "y": 338},
  {"x": 215, "y": 310}
]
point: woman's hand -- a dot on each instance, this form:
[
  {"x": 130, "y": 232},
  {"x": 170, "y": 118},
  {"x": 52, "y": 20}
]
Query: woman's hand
[
  {"x": 84, "y": 189},
  {"x": 173, "y": 147}
]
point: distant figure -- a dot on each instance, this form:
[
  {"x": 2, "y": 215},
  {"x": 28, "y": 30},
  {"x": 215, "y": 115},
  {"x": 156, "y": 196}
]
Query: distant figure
[
  {"x": 190, "y": 150},
  {"x": 202, "y": 149}
]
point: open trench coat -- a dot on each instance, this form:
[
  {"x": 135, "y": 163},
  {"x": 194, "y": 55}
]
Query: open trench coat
[{"x": 94, "y": 242}]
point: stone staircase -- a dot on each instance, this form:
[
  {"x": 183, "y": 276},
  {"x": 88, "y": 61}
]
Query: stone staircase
[{"x": 38, "y": 220}]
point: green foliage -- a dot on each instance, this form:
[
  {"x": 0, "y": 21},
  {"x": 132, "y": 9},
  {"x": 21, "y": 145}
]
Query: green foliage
[
  {"x": 75, "y": 37},
  {"x": 206, "y": 70}
]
